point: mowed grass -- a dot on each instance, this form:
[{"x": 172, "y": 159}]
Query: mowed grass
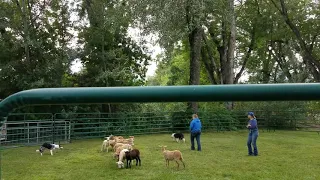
[{"x": 283, "y": 155}]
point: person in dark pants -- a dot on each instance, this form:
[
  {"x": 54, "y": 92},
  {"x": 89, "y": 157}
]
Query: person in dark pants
[
  {"x": 253, "y": 135},
  {"x": 195, "y": 128}
]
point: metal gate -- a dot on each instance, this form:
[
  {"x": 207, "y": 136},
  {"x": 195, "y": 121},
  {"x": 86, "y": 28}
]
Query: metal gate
[{"x": 35, "y": 130}]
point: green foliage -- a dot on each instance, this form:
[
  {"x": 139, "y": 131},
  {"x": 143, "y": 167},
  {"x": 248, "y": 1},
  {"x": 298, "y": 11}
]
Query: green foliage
[
  {"x": 109, "y": 56},
  {"x": 171, "y": 20},
  {"x": 33, "y": 45},
  {"x": 36, "y": 50}
]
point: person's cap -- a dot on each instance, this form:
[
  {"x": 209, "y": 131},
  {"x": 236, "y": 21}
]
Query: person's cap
[{"x": 251, "y": 113}]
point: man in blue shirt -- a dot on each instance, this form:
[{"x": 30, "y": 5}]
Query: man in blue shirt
[
  {"x": 253, "y": 134},
  {"x": 195, "y": 130}
]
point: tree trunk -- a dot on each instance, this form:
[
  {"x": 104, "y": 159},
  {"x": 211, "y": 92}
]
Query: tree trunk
[
  {"x": 266, "y": 72},
  {"x": 231, "y": 46},
  {"x": 195, "y": 38},
  {"x": 26, "y": 36},
  {"x": 228, "y": 77}
]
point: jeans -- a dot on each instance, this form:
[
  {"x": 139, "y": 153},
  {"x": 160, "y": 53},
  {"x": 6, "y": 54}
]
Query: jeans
[
  {"x": 197, "y": 136},
  {"x": 252, "y": 140}
]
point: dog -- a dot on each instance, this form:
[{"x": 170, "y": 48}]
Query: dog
[
  {"x": 178, "y": 137},
  {"x": 49, "y": 146}
]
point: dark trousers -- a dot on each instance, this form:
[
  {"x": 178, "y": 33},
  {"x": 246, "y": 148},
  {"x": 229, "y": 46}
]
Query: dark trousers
[
  {"x": 197, "y": 136},
  {"x": 252, "y": 141}
]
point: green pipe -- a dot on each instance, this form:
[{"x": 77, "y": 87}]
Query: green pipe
[{"x": 93, "y": 95}]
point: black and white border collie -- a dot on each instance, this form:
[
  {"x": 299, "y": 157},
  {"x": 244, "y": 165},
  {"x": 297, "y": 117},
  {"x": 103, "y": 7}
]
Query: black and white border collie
[
  {"x": 51, "y": 147},
  {"x": 178, "y": 137}
]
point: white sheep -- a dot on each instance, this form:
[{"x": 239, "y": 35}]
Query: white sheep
[
  {"x": 126, "y": 146},
  {"x": 121, "y": 147},
  {"x": 172, "y": 156},
  {"x": 109, "y": 137},
  {"x": 130, "y": 140},
  {"x": 122, "y": 155},
  {"x": 107, "y": 143},
  {"x": 116, "y": 138}
]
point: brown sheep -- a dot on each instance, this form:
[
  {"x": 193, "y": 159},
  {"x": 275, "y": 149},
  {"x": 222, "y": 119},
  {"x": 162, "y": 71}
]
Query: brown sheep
[
  {"x": 131, "y": 155},
  {"x": 130, "y": 141},
  {"x": 172, "y": 156}
]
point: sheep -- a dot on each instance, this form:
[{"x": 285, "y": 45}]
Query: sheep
[
  {"x": 172, "y": 156},
  {"x": 112, "y": 140},
  {"x": 121, "y": 157},
  {"x": 109, "y": 137},
  {"x": 117, "y": 138},
  {"x": 112, "y": 137},
  {"x": 126, "y": 146},
  {"x": 115, "y": 147},
  {"x": 107, "y": 143},
  {"x": 121, "y": 147},
  {"x": 121, "y": 144},
  {"x": 131, "y": 155},
  {"x": 130, "y": 140}
]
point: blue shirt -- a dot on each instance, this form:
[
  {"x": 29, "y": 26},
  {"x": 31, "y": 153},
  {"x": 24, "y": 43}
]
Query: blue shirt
[
  {"x": 195, "y": 125},
  {"x": 254, "y": 124}
]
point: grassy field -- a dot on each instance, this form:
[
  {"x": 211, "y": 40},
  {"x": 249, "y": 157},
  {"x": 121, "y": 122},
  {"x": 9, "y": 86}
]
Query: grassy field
[{"x": 283, "y": 155}]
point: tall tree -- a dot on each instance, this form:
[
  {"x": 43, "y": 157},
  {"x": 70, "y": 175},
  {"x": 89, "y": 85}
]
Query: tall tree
[
  {"x": 110, "y": 58},
  {"x": 175, "y": 21},
  {"x": 31, "y": 34},
  {"x": 308, "y": 41}
]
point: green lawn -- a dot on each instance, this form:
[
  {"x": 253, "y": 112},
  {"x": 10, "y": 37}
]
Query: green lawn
[{"x": 283, "y": 155}]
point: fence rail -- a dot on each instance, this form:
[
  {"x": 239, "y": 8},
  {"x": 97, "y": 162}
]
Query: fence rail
[{"x": 37, "y": 128}]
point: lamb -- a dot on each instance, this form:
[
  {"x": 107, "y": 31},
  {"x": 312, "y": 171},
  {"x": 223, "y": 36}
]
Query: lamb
[
  {"x": 126, "y": 146},
  {"x": 109, "y": 137},
  {"x": 112, "y": 140},
  {"x": 131, "y": 155},
  {"x": 112, "y": 137},
  {"x": 117, "y": 138},
  {"x": 172, "y": 156},
  {"x": 121, "y": 157},
  {"x": 106, "y": 144},
  {"x": 115, "y": 147},
  {"x": 121, "y": 147},
  {"x": 130, "y": 140}
]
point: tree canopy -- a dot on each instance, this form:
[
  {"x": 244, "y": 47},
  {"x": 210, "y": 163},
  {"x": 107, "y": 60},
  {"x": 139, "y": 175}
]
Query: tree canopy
[{"x": 205, "y": 42}]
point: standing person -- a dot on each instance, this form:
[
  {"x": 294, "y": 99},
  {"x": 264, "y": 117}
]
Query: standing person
[
  {"x": 195, "y": 128},
  {"x": 253, "y": 135}
]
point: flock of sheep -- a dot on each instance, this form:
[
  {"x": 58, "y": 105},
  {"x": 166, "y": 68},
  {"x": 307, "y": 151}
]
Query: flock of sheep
[{"x": 123, "y": 150}]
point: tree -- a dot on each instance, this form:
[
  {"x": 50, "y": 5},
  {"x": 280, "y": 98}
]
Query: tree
[
  {"x": 31, "y": 35},
  {"x": 307, "y": 41},
  {"x": 110, "y": 58},
  {"x": 175, "y": 21}
]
